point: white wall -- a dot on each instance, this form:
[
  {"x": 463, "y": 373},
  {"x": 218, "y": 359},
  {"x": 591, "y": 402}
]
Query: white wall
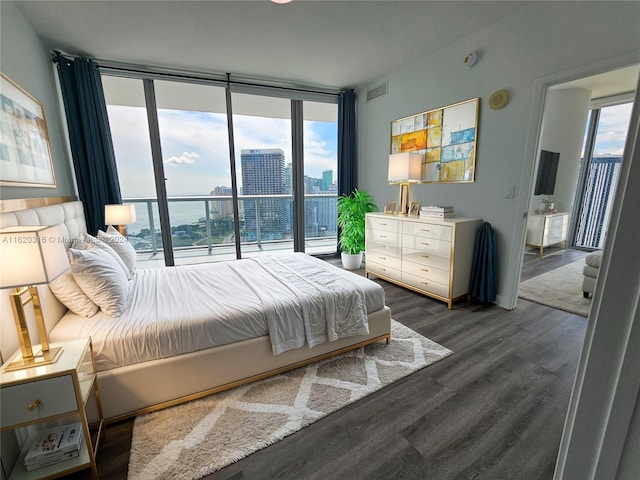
[
  {"x": 25, "y": 60},
  {"x": 563, "y": 125},
  {"x": 550, "y": 40}
]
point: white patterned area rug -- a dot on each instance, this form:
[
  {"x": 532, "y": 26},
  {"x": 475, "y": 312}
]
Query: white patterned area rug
[
  {"x": 560, "y": 288},
  {"x": 197, "y": 438}
]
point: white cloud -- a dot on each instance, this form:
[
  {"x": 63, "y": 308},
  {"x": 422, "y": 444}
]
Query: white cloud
[{"x": 185, "y": 159}]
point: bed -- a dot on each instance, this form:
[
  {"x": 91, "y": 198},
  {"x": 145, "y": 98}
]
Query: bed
[{"x": 271, "y": 314}]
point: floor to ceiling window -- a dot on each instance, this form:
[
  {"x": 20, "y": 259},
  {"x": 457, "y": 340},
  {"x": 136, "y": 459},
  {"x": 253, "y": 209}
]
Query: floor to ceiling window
[
  {"x": 602, "y": 158},
  {"x": 187, "y": 169}
]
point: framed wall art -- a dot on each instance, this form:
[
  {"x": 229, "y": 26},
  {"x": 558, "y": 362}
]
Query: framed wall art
[
  {"x": 25, "y": 154},
  {"x": 445, "y": 137}
]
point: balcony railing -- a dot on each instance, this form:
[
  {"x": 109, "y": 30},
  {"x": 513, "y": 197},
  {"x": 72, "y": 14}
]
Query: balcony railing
[{"x": 204, "y": 225}]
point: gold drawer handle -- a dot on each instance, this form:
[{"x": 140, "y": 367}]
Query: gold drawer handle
[
  {"x": 425, "y": 243},
  {"x": 382, "y": 258},
  {"x": 424, "y": 256},
  {"x": 424, "y": 283},
  {"x": 383, "y": 269},
  {"x": 34, "y": 405},
  {"x": 383, "y": 224},
  {"x": 424, "y": 230},
  {"x": 424, "y": 269},
  {"x": 382, "y": 236}
]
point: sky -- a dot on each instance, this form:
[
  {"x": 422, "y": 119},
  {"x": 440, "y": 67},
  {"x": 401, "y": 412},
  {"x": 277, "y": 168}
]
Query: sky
[
  {"x": 195, "y": 148},
  {"x": 612, "y": 130}
]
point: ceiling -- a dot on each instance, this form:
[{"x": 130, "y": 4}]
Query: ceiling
[
  {"x": 334, "y": 44},
  {"x": 615, "y": 82}
]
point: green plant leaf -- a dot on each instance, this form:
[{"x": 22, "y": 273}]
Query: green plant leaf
[{"x": 352, "y": 210}]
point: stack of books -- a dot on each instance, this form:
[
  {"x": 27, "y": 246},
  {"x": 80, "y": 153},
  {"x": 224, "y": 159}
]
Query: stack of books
[
  {"x": 53, "y": 445},
  {"x": 437, "y": 211}
]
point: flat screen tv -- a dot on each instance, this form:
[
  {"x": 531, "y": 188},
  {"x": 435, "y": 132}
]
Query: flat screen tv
[{"x": 547, "y": 171}]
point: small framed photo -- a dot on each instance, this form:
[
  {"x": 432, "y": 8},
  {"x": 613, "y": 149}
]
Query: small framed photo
[
  {"x": 414, "y": 209},
  {"x": 390, "y": 207}
]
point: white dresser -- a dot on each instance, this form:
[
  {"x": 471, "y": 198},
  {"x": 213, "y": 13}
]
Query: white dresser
[
  {"x": 430, "y": 256},
  {"x": 547, "y": 229}
]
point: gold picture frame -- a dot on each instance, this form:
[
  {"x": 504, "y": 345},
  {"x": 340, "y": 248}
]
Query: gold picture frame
[
  {"x": 390, "y": 208},
  {"x": 446, "y": 137},
  {"x": 25, "y": 153},
  {"x": 414, "y": 209}
]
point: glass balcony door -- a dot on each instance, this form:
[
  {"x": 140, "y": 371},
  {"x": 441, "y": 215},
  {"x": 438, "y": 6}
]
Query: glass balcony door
[
  {"x": 320, "y": 129},
  {"x": 600, "y": 171},
  {"x": 192, "y": 125},
  {"x": 264, "y": 162},
  {"x": 126, "y": 108}
]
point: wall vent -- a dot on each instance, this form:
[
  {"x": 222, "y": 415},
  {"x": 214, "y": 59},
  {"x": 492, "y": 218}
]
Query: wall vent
[{"x": 379, "y": 91}]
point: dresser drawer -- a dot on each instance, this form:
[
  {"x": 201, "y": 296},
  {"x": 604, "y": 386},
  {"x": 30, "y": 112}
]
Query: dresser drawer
[
  {"x": 384, "y": 270},
  {"x": 382, "y": 236},
  {"x": 427, "y": 245},
  {"x": 428, "y": 230},
  {"x": 424, "y": 258},
  {"x": 56, "y": 395},
  {"x": 377, "y": 248},
  {"x": 383, "y": 224},
  {"x": 557, "y": 221},
  {"x": 384, "y": 260},
  {"x": 426, "y": 272},
  {"x": 427, "y": 285}
]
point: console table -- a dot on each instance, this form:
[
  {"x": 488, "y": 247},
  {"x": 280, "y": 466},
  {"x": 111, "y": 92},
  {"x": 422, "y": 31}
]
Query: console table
[
  {"x": 546, "y": 230},
  {"x": 429, "y": 256}
]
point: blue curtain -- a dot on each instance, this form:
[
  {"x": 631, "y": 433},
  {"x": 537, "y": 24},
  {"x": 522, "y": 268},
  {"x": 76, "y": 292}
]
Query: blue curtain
[
  {"x": 347, "y": 158},
  {"x": 483, "y": 283},
  {"x": 90, "y": 137}
]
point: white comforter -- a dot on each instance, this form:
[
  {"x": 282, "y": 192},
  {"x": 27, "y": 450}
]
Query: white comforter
[{"x": 294, "y": 298}]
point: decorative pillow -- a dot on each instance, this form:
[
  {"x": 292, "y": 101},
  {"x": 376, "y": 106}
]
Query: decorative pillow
[
  {"x": 89, "y": 241},
  {"x": 122, "y": 247},
  {"x": 101, "y": 278},
  {"x": 67, "y": 290}
]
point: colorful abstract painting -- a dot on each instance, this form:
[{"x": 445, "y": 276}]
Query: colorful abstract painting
[{"x": 446, "y": 137}]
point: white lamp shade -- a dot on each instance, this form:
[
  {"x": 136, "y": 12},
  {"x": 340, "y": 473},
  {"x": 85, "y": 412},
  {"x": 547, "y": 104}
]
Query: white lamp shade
[
  {"x": 31, "y": 255},
  {"x": 119, "y": 214},
  {"x": 405, "y": 167}
]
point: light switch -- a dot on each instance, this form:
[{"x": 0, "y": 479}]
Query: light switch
[{"x": 510, "y": 191}]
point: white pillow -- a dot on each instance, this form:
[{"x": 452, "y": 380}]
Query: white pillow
[
  {"x": 89, "y": 241},
  {"x": 122, "y": 247},
  {"x": 101, "y": 278},
  {"x": 67, "y": 290}
]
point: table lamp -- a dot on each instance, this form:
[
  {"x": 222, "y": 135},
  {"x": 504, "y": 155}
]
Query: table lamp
[
  {"x": 405, "y": 168},
  {"x": 120, "y": 216},
  {"x": 30, "y": 256}
]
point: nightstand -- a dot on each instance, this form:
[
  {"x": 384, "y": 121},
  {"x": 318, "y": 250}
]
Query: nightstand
[{"x": 50, "y": 395}]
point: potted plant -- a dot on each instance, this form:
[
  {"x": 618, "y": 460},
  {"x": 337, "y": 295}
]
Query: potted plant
[{"x": 351, "y": 221}]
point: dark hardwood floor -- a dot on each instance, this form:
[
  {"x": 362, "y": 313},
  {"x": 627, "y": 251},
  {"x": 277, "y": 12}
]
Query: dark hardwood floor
[{"x": 493, "y": 410}]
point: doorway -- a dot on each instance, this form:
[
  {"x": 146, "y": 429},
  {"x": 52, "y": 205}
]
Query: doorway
[{"x": 591, "y": 124}]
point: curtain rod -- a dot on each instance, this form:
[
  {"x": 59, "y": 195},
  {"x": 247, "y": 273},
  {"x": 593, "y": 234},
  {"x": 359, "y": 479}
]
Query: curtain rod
[{"x": 200, "y": 77}]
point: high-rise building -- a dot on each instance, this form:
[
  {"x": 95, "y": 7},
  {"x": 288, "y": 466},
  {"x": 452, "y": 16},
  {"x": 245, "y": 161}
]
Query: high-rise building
[
  {"x": 263, "y": 174},
  {"x": 327, "y": 180},
  {"x": 222, "y": 207}
]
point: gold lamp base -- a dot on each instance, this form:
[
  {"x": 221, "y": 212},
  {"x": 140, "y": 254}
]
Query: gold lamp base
[
  {"x": 26, "y": 359},
  {"x": 41, "y": 358}
]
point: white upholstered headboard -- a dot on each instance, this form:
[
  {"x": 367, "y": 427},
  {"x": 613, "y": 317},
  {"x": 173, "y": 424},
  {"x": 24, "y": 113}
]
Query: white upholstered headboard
[{"x": 69, "y": 218}]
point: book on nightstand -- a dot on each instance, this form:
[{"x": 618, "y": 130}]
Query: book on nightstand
[
  {"x": 46, "y": 461},
  {"x": 53, "y": 445}
]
